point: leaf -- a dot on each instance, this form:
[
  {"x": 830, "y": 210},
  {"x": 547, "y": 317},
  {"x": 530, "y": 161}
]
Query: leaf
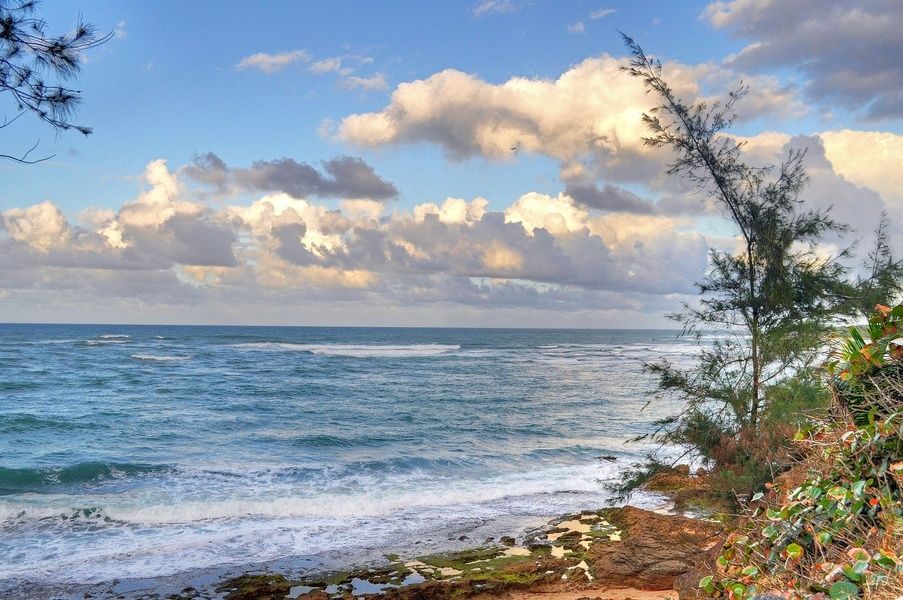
[
  {"x": 858, "y": 554},
  {"x": 823, "y": 538},
  {"x": 750, "y": 571},
  {"x": 843, "y": 590},
  {"x": 794, "y": 551},
  {"x": 706, "y": 582},
  {"x": 757, "y": 496}
]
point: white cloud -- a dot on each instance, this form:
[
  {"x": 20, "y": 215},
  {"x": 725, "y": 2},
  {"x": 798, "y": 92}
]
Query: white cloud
[
  {"x": 166, "y": 247},
  {"x": 869, "y": 158},
  {"x": 374, "y": 82},
  {"x": 41, "y": 226},
  {"x": 486, "y": 7},
  {"x": 577, "y": 27},
  {"x": 272, "y": 63},
  {"x": 329, "y": 65},
  {"x": 589, "y": 118},
  {"x": 602, "y": 13}
]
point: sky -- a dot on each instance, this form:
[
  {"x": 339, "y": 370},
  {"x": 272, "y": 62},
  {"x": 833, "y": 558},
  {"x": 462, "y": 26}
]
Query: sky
[{"x": 475, "y": 163}]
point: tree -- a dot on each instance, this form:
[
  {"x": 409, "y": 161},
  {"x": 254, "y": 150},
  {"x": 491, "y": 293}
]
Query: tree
[
  {"x": 774, "y": 297},
  {"x": 881, "y": 281},
  {"x": 28, "y": 56}
]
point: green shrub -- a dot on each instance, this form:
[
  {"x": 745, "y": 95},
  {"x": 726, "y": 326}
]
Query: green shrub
[{"x": 839, "y": 532}]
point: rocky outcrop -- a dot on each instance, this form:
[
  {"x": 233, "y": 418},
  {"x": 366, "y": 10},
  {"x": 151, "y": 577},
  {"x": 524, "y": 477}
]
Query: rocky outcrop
[{"x": 654, "y": 549}]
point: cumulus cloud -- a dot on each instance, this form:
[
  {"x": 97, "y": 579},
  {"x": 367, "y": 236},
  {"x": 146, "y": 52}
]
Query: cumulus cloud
[
  {"x": 41, "y": 226},
  {"x": 868, "y": 158},
  {"x": 341, "y": 177},
  {"x": 272, "y": 63},
  {"x": 167, "y": 247},
  {"x": 609, "y": 198},
  {"x": 588, "y": 118},
  {"x": 847, "y": 49}
]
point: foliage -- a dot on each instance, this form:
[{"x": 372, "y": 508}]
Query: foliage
[
  {"x": 859, "y": 365},
  {"x": 774, "y": 300},
  {"x": 883, "y": 279},
  {"x": 28, "y": 55},
  {"x": 839, "y": 532}
]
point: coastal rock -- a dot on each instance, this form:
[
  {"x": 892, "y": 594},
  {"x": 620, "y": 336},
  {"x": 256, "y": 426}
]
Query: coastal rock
[{"x": 654, "y": 549}]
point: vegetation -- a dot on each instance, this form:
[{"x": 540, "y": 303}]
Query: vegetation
[
  {"x": 776, "y": 298},
  {"x": 840, "y": 530},
  {"x": 28, "y": 56}
]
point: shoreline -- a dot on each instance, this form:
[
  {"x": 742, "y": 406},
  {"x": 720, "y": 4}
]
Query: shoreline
[{"x": 549, "y": 558}]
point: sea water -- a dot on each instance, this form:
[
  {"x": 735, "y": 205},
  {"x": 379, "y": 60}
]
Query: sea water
[{"x": 146, "y": 451}]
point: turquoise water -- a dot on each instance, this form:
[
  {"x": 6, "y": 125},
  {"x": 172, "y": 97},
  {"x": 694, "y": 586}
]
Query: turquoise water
[{"x": 143, "y": 451}]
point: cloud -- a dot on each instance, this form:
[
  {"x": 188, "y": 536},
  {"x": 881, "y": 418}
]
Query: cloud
[
  {"x": 272, "y": 63},
  {"x": 341, "y": 177},
  {"x": 486, "y": 7},
  {"x": 41, "y": 226},
  {"x": 329, "y": 65},
  {"x": 375, "y": 82},
  {"x": 848, "y": 50},
  {"x": 609, "y": 198},
  {"x": 868, "y": 158},
  {"x": 168, "y": 248},
  {"x": 602, "y": 13},
  {"x": 577, "y": 28},
  {"x": 589, "y": 118}
]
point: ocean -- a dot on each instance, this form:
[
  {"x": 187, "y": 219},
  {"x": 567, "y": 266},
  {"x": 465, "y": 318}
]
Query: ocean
[{"x": 142, "y": 452}]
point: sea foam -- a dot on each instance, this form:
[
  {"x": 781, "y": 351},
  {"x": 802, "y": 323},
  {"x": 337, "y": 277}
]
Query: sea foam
[{"x": 356, "y": 350}]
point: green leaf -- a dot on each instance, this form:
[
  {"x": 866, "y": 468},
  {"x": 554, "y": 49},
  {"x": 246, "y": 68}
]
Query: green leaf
[
  {"x": 757, "y": 496},
  {"x": 859, "y": 487},
  {"x": 706, "y": 582},
  {"x": 750, "y": 571},
  {"x": 823, "y": 538},
  {"x": 794, "y": 551},
  {"x": 842, "y": 590},
  {"x": 851, "y": 574}
]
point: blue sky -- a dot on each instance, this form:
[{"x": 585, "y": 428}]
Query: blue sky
[
  {"x": 427, "y": 81},
  {"x": 169, "y": 88}
]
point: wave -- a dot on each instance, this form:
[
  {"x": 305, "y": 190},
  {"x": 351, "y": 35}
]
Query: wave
[
  {"x": 345, "y": 498},
  {"x": 23, "y": 422},
  {"x": 17, "y": 481},
  {"x": 160, "y": 357},
  {"x": 114, "y": 336},
  {"x": 356, "y": 350}
]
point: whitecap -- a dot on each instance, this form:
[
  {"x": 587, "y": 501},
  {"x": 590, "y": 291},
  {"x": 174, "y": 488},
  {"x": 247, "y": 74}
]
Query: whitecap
[
  {"x": 159, "y": 357},
  {"x": 356, "y": 350}
]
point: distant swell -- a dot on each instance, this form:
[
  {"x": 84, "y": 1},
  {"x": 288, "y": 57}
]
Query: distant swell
[
  {"x": 357, "y": 351},
  {"x": 17, "y": 481}
]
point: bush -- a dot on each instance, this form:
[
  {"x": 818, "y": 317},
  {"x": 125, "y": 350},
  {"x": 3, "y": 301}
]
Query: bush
[{"x": 838, "y": 533}]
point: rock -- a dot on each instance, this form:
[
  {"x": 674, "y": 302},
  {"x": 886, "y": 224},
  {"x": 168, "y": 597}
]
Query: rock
[
  {"x": 256, "y": 587},
  {"x": 656, "y": 549},
  {"x": 507, "y": 540},
  {"x": 462, "y": 538}
]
